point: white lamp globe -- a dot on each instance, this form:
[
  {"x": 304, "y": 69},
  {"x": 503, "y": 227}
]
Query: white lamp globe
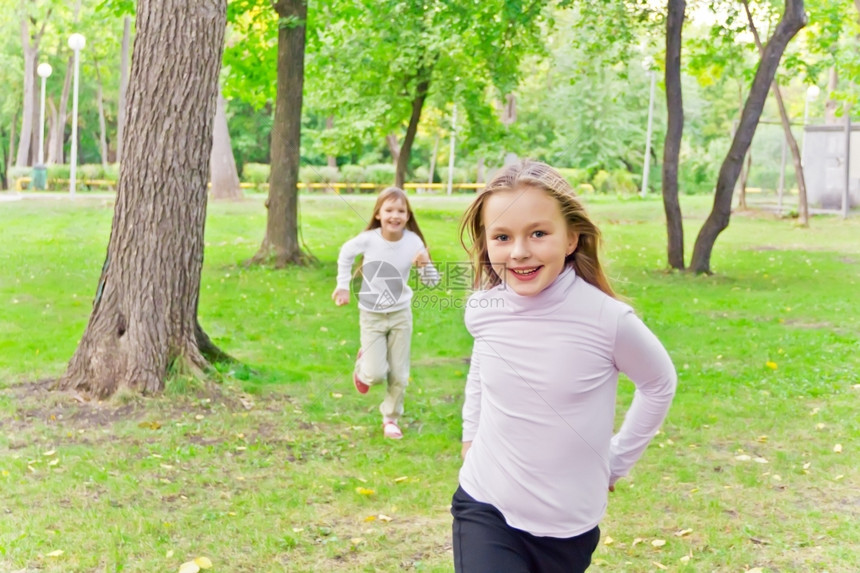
[
  {"x": 44, "y": 70},
  {"x": 77, "y": 42},
  {"x": 812, "y": 92}
]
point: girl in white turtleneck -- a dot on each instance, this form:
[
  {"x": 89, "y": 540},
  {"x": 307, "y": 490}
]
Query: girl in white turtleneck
[{"x": 550, "y": 338}]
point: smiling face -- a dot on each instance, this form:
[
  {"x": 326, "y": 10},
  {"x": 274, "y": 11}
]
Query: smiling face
[
  {"x": 527, "y": 238},
  {"x": 392, "y": 217}
]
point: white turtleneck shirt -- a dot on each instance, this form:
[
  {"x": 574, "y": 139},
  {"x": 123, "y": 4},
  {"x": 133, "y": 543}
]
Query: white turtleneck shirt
[{"x": 540, "y": 402}]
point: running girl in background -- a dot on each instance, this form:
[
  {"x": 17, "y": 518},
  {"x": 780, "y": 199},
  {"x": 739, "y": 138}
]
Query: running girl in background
[
  {"x": 391, "y": 244},
  {"x": 538, "y": 446}
]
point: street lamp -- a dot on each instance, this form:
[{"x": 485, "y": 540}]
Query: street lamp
[
  {"x": 39, "y": 172},
  {"x": 812, "y": 93},
  {"x": 648, "y": 64},
  {"x": 76, "y": 43}
]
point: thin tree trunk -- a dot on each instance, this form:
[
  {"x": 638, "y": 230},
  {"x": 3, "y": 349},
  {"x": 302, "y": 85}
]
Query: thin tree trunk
[
  {"x": 479, "y": 171},
  {"x": 103, "y": 146},
  {"x": 674, "y": 132},
  {"x": 412, "y": 129},
  {"x": 793, "y": 19},
  {"x": 123, "y": 85},
  {"x": 144, "y": 320},
  {"x": 433, "y": 161},
  {"x": 12, "y": 140},
  {"x": 831, "y": 106},
  {"x": 225, "y": 177},
  {"x": 58, "y": 136},
  {"x": 31, "y": 53},
  {"x": 281, "y": 244},
  {"x": 331, "y": 160},
  {"x": 393, "y": 147},
  {"x": 803, "y": 207}
]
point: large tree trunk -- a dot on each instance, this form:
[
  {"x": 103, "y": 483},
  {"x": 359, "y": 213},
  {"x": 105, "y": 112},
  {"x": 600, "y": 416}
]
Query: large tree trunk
[
  {"x": 793, "y": 19},
  {"x": 222, "y": 164},
  {"x": 412, "y": 129},
  {"x": 281, "y": 245},
  {"x": 803, "y": 207},
  {"x": 123, "y": 85},
  {"x": 144, "y": 319},
  {"x": 674, "y": 131}
]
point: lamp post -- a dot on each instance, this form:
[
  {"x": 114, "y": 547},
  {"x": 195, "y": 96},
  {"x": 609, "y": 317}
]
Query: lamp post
[
  {"x": 811, "y": 95},
  {"x": 648, "y": 64},
  {"x": 39, "y": 172},
  {"x": 76, "y": 43}
]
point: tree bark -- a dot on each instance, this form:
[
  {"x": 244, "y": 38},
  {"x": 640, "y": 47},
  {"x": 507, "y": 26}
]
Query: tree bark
[
  {"x": 144, "y": 319},
  {"x": 281, "y": 245},
  {"x": 417, "y": 105},
  {"x": 792, "y": 20},
  {"x": 393, "y": 147},
  {"x": 123, "y": 85},
  {"x": 803, "y": 207},
  {"x": 225, "y": 176},
  {"x": 674, "y": 132}
]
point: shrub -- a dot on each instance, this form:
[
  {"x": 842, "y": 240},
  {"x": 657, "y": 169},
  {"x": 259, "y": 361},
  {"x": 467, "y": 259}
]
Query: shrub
[
  {"x": 600, "y": 181},
  {"x": 380, "y": 174},
  {"x": 621, "y": 182},
  {"x": 575, "y": 177},
  {"x": 256, "y": 173},
  {"x": 90, "y": 171}
]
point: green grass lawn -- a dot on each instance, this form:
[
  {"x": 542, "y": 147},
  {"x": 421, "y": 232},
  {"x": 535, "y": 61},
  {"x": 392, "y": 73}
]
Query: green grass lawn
[{"x": 281, "y": 465}]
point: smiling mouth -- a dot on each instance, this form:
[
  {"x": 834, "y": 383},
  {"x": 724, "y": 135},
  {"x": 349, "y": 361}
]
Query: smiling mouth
[{"x": 525, "y": 272}]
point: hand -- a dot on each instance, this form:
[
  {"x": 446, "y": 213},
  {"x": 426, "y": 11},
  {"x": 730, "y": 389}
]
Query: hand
[
  {"x": 340, "y": 296},
  {"x": 612, "y": 488},
  {"x": 422, "y": 258},
  {"x": 466, "y": 446}
]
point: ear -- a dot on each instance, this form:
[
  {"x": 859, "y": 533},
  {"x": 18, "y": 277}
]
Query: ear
[{"x": 572, "y": 242}]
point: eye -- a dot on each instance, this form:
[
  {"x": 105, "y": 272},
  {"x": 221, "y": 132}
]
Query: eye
[
  {"x": 539, "y": 234},
  {"x": 500, "y": 237}
]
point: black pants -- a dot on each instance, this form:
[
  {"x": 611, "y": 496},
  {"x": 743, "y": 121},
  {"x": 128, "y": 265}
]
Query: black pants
[{"x": 485, "y": 543}]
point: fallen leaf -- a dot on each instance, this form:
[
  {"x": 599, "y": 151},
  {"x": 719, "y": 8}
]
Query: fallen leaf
[
  {"x": 658, "y": 542},
  {"x": 189, "y": 567},
  {"x": 203, "y": 562},
  {"x": 608, "y": 541},
  {"x": 169, "y": 554},
  {"x": 659, "y": 565},
  {"x": 56, "y": 553},
  {"x": 400, "y": 479},
  {"x": 685, "y": 559},
  {"x": 49, "y": 453},
  {"x": 755, "y": 570},
  {"x": 770, "y": 364},
  {"x": 364, "y": 491},
  {"x": 807, "y": 465},
  {"x": 762, "y": 439},
  {"x": 837, "y": 448},
  {"x": 636, "y": 542},
  {"x": 683, "y": 532},
  {"x": 760, "y": 460},
  {"x": 370, "y": 518},
  {"x": 383, "y": 517},
  {"x": 742, "y": 458}
]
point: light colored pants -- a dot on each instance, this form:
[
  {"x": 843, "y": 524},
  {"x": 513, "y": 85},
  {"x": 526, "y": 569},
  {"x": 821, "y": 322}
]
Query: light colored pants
[{"x": 386, "y": 339}]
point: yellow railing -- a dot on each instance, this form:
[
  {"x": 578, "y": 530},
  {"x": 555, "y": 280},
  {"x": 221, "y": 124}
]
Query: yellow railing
[{"x": 23, "y": 183}]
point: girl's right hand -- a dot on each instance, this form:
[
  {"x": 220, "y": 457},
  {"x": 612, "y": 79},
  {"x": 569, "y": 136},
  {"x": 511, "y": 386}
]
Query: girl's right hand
[
  {"x": 466, "y": 446},
  {"x": 340, "y": 296}
]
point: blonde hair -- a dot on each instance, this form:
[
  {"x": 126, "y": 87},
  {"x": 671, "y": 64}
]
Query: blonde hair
[
  {"x": 527, "y": 173},
  {"x": 394, "y": 193}
]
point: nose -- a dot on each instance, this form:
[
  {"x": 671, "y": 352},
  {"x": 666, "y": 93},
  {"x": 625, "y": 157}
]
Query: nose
[{"x": 520, "y": 250}]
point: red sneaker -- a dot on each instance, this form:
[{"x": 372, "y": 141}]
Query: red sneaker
[
  {"x": 359, "y": 385},
  {"x": 391, "y": 430}
]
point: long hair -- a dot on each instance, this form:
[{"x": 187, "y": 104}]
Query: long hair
[
  {"x": 394, "y": 193},
  {"x": 527, "y": 173}
]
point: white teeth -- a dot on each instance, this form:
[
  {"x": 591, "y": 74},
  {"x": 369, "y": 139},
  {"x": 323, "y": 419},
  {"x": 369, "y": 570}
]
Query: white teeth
[{"x": 521, "y": 272}]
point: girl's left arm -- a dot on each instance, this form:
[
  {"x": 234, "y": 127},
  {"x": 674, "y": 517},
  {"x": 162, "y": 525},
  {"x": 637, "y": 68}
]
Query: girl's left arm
[{"x": 641, "y": 356}]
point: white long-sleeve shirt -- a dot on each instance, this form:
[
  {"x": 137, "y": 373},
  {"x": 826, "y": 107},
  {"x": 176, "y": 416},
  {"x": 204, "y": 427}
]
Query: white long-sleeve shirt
[
  {"x": 540, "y": 402},
  {"x": 385, "y": 269}
]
